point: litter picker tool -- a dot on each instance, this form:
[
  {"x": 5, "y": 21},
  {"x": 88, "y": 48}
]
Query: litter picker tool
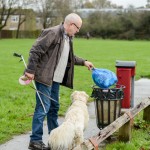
[{"x": 22, "y": 59}]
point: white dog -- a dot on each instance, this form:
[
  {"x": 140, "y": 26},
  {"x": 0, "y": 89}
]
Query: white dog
[{"x": 70, "y": 133}]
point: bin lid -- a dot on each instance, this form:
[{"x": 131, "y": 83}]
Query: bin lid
[{"x": 127, "y": 64}]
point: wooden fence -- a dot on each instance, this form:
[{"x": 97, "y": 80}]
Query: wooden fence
[{"x": 123, "y": 123}]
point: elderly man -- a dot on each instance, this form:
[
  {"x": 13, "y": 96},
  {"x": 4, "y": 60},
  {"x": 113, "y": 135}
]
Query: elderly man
[{"x": 51, "y": 64}]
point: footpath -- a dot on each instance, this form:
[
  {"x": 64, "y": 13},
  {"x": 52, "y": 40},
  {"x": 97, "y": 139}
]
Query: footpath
[{"x": 141, "y": 91}]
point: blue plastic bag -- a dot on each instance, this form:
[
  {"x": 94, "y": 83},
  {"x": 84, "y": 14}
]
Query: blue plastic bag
[{"x": 104, "y": 78}]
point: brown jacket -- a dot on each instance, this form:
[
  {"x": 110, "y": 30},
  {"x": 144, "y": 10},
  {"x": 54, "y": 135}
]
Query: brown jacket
[{"x": 45, "y": 55}]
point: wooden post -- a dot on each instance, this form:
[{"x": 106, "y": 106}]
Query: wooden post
[
  {"x": 125, "y": 132},
  {"x": 146, "y": 115}
]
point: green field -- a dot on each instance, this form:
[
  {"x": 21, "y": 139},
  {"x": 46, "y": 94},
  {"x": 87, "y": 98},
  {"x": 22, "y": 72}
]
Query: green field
[{"x": 17, "y": 102}]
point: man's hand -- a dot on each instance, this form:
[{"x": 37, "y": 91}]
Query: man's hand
[
  {"x": 89, "y": 65},
  {"x": 29, "y": 76}
]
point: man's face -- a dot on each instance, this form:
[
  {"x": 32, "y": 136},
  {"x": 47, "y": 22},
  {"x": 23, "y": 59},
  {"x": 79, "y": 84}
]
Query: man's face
[{"x": 74, "y": 28}]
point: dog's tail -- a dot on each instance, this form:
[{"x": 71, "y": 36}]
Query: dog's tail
[{"x": 62, "y": 137}]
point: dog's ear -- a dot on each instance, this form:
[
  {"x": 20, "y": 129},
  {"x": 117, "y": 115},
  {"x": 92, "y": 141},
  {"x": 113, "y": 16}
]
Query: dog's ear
[
  {"x": 73, "y": 95},
  {"x": 86, "y": 96}
]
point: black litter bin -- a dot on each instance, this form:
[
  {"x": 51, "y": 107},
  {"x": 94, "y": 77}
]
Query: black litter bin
[{"x": 107, "y": 104}]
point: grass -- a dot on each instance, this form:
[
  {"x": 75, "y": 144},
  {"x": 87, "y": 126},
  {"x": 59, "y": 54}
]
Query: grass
[
  {"x": 140, "y": 139},
  {"x": 17, "y": 102}
]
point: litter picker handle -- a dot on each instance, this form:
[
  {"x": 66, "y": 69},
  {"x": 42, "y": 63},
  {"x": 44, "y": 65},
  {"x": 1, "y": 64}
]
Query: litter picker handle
[{"x": 16, "y": 55}]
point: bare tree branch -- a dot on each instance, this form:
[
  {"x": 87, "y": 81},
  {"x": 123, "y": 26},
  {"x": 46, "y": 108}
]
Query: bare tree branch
[{"x": 6, "y": 9}]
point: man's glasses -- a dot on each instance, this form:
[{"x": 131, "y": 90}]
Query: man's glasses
[{"x": 76, "y": 26}]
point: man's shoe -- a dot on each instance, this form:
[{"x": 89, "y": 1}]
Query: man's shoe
[{"x": 38, "y": 145}]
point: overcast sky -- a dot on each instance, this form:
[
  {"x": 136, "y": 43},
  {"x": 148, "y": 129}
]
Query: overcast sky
[{"x": 126, "y": 3}]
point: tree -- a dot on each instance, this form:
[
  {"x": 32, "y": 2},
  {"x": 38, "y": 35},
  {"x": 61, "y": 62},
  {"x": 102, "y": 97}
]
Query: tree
[
  {"x": 6, "y": 9},
  {"x": 102, "y": 4},
  {"x": 88, "y": 5},
  {"x": 77, "y": 4},
  {"x": 45, "y": 10},
  {"x": 13, "y": 7},
  {"x": 22, "y": 19},
  {"x": 52, "y": 12},
  {"x": 148, "y": 4},
  {"x": 23, "y": 11},
  {"x": 62, "y": 8}
]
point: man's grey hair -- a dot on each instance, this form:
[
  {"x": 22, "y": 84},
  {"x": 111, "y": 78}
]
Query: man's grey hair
[{"x": 72, "y": 18}]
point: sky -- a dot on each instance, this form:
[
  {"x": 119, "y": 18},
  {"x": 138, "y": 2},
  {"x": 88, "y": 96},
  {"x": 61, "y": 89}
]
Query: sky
[{"x": 126, "y": 3}]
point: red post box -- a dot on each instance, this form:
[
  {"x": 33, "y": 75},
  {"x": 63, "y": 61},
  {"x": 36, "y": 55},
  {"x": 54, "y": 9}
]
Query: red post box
[{"x": 126, "y": 75}]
